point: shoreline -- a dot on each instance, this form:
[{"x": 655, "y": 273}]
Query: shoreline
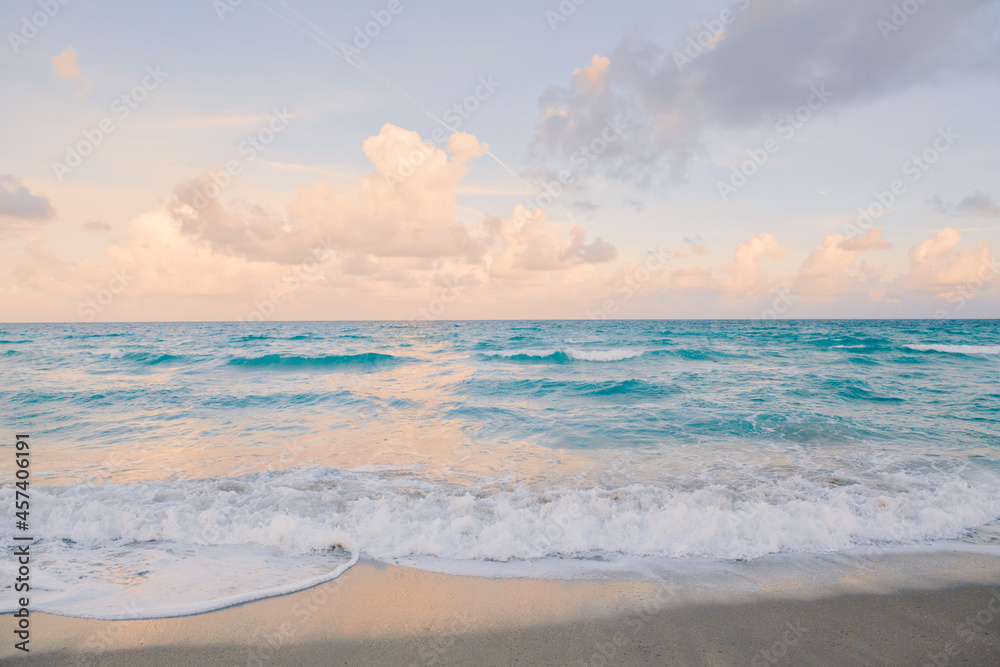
[{"x": 394, "y": 615}]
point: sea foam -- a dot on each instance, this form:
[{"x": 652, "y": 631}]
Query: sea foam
[
  {"x": 958, "y": 349},
  {"x": 230, "y": 534}
]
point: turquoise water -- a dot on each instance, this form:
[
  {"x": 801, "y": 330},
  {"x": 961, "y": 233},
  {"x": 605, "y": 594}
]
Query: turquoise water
[{"x": 256, "y": 458}]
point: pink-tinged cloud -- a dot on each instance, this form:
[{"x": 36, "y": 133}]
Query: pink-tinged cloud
[
  {"x": 939, "y": 264},
  {"x": 833, "y": 270},
  {"x": 66, "y": 65},
  {"x": 590, "y": 80},
  {"x": 404, "y": 209},
  {"x": 743, "y": 276},
  {"x": 395, "y": 245},
  {"x": 528, "y": 243}
]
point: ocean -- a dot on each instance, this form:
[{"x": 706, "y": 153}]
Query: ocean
[{"x": 179, "y": 468}]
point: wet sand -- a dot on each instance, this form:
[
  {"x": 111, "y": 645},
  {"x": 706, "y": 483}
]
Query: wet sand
[{"x": 389, "y": 615}]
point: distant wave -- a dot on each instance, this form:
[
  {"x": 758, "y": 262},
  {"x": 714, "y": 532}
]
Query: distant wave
[
  {"x": 617, "y": 354},
  {"x": 104, "y": 335},
  {"x": 145, "y": 358},
  {"x": 846, "y": 343},
  {"x": 566, "y": 356},
  {"x": 860, "y": 393},
  {"x": 630, "y": 388},
  {"x": 364, "y": 359},
  {"x": 697, "y": 354},
  {"x": 958, "y": 349},
  {"x": 253, "y": 337}
]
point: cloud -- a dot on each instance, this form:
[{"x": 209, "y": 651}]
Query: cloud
[
  {"x": 98, "y": 226},
  {"x": 16, "y": 201},
  {"x": 37, "y": 267},
  {"x": 831, "y": 270},
  {"x": 974, "y": 204},
  {"x": 404, "y": 208},
  {"x": 66, "y": 66},
  {"x": 529, "y": 244},
  {"x": 590, "y": 79},
  {"x": 695, "y": 278},
  {"x": 638, "y": 205},
  {"x": 168, "y": 262},
  {"x": 743, "y": 276},
  {"x": 940, "y": 264},
  {"x": 761, "y": 68},
  {"x": 393, "y": 246}
]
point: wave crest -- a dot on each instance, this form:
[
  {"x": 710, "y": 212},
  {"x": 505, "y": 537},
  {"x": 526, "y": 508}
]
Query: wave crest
[
  {"x": 364, "y": 359},
  {"x": 958, "y": 349},
  {"x": 566, "y": 356}
]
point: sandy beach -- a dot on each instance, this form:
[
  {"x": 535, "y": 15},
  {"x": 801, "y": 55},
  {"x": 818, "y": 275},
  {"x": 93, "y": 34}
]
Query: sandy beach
[
  {"x": 390, "y": 615},
  {"x": 575, "y": 333}
]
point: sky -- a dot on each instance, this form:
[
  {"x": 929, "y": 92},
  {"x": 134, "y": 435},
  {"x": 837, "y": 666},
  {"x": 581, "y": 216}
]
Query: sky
[{"x": 265, "y": 160}]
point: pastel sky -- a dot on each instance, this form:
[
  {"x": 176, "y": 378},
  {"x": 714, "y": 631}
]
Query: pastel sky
[{"x": 392, "y": 159}]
